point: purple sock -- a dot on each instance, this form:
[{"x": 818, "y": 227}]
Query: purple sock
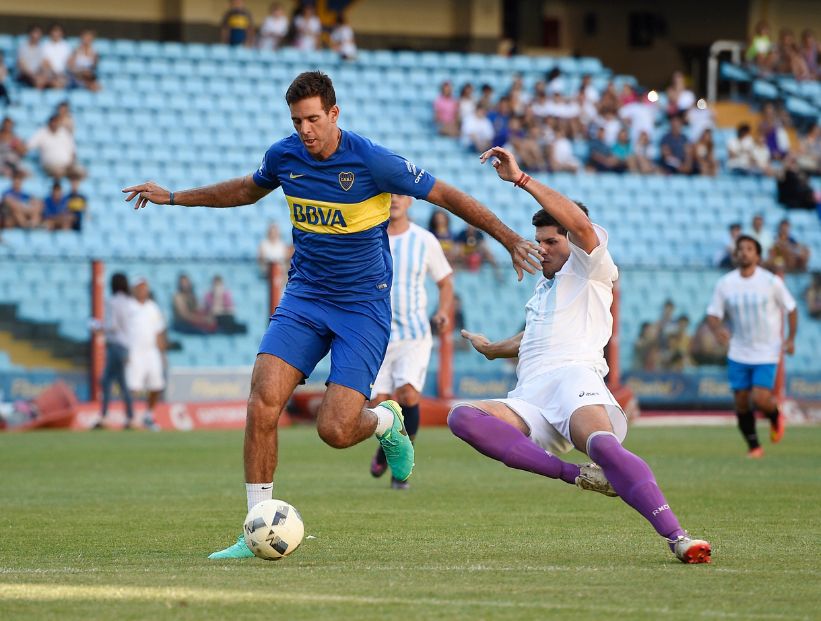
[
  {"x": 632, "y": 478},
  {"x": 503, "y": 442}
]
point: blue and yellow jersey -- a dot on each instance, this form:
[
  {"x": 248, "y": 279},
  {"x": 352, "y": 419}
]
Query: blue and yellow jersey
[{"x": 339, "y": 212}]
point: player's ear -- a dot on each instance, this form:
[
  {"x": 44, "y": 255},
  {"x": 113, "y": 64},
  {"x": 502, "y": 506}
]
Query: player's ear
[{"x": 333, "y": 113}]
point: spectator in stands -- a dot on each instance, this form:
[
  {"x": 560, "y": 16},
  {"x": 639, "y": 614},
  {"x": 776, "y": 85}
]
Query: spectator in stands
[
  {"x": 760, "y": 52},
  {"x": 775, "y": 133},
  {"x": 785, "y": 50},
  {"x": 64, "y": 116},
  {"x": 237, "y": 25},
  {"x": 809, "y": 151},
  {"x": 189, "y": 317},
  {"x": 646, "y": 351},
  {"x": 56, "y": 216},
  {"x": 700, "y": 118},
  {"x": 740, "y": 151},
  {"x": 219, "y": 305},
  {"x": 589, "y": 98},
  {"x": 705, "y": 348},
  {"x": 555, "y": 82},
  {"x": 679, "y": 98},
  {"x": 794, "y": 188},
  {"x": 308, "y": 29},
  {"x": 58, "y": 154},
  {"x": 500, "y": 117},
  {"x": 439, "y": 225},
  {"x": 676, "y": 151},
  {"x": 809, "y": 50},
  {"x": 342, "y": 38},
  {"x": 274, "y": 28},
  {"x": 640, "y": 116},
  {"x": 30, "y": 69},
  {"x": 56, "y": 52},
  {"x": 761, "y": 234},
  {"x": 813, "y": 296},
  {"x": 525, "y": 142},
  {"x": 12, "y": 149},
  {"x": 5, "y": 99},
  {"x": 726, "y": 256},
  {"x": 446, "y": 111},
  {"x": 609, "y": 100},
  {"x": 472, "y": 250},
  {"x": 786, "y": 254},
  {"x": 677, "y": 350},
  {"x": 116, "y": 327},
  {"x": 623, "y": 151},
  {"x": 627, "y": 95},
  {"x": 561, "y": 155},
  {"x": 77, "y": 203},
  {"x": 477, "y": 131},
  {"x": 82, "y": 65},
  {"x": 19, "y": 208},
  {"x": 601, "y": 158},
  {"x": 272, "y": 250},
  {"x": 665, "y": 325},
  {"x": 485, "y": 96},
  {"x": 644, "y": 155},
  {"x": 467, "y": 105},
  {"x": 704, "y": 157}
]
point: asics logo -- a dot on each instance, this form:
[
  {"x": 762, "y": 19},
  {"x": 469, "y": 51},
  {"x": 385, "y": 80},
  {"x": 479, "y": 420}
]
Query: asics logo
[
  {"x": 587, "y": 394},
  {"x": 293, "y": 176}
]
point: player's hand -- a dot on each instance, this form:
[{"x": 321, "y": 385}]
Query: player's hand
[
  {"x": 479, "y": 341},
  {"x": 723, "y": 336},
  {"x": 526, "y": 256},
  {"x": 789, "y": 347},
  {"x": 440, "y": 320},
  {"x": 503, "y": 161},
  {"x": 148, "y": 192}
]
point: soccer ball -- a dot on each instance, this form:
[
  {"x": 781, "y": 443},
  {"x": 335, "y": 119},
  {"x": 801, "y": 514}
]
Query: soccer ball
[{"x": 273, "y": 529}]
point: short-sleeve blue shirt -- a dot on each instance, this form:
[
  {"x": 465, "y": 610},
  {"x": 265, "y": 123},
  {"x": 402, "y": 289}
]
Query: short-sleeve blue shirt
[{"x": 339, "y": 210}]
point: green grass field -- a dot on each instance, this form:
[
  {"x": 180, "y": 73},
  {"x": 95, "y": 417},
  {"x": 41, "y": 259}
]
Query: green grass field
[{"x": 118, "y": 525}]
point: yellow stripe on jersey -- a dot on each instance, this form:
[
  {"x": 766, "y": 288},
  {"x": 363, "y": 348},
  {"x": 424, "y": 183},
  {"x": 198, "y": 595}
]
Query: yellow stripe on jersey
[{"x": 338, "y": 218}]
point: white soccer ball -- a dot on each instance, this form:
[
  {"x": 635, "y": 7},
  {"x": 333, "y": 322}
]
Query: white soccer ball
[{"x": 273, "y": 529}]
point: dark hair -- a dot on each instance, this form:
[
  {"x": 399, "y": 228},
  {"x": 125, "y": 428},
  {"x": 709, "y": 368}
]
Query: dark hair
[
  {"x": 553, "y": 74},
  {"x": 743, "y": 238},
  {"x": 542, "y": 218},
  {"x": 119, "y": 283},
  {"x": 743, "y": 130},
  {"x": 734, "y": 225},
  {"x": 34, "y": 27},
  {"x": 56, "y": 186},
  {"x": 312, "y": 84}
]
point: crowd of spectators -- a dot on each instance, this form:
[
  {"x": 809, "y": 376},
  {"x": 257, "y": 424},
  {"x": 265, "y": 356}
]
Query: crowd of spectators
[
  {"x": 56, "y": 152},
  {"x": 51, "y": 62},
  {"x": 303, "y": 30},
  {"x": 616, "y": 130},
  {"x": 787, "y": 56},
  {"x": 213, "y": 315},
  {"x": 780, "y": 252}
]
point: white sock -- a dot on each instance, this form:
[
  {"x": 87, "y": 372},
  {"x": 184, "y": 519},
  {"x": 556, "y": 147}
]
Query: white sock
[
  {"x": 257, "y": 492},
  {"x": 384, "y": 420}
]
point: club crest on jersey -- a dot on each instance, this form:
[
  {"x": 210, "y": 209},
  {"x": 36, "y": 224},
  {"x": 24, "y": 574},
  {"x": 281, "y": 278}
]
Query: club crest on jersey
[{"x": 346, "y": 180}]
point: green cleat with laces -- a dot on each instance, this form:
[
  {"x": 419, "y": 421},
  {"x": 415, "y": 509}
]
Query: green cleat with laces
[
  {"x": 396, "y": 444},
  {"x": 238, "y": 550}
]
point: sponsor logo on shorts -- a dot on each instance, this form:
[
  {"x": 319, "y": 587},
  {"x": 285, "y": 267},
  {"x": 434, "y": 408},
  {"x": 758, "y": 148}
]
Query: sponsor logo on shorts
[{"x": 588, "y": 394}]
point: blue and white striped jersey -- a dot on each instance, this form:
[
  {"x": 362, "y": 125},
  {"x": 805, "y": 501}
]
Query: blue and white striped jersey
[
  {"x": 416, "y": 252},
  {"x": 755, "y": 307}
]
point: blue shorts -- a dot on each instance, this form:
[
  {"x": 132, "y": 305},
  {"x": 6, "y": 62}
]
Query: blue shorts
[
  {"x": 744, "y": 376},
  {"x": 357, "y": 333}
]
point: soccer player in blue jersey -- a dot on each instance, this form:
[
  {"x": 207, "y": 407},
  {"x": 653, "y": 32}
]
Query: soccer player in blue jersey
[{"x": 338, "y": 186}]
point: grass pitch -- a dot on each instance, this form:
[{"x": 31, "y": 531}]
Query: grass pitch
[{"x": 117, "y": 525}]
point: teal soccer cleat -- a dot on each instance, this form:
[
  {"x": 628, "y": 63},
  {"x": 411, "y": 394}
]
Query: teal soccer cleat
[
  {"x": 396, "y": 443},
  {"x": 238, "y": 550}
]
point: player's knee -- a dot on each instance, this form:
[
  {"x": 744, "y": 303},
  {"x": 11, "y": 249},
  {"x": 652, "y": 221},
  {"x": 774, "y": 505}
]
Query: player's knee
[
  {"x": 762, "y": 399},
  {"x": 459, "y": 419},
  {"x": 263, "y": 411},
  {"x": 407, "y": 395}
]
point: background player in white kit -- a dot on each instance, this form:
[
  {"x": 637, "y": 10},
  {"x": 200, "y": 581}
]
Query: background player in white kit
[
  {"x": 144, "y": 372},
  {"x": 754, "y": 300},
  {"x": 416, "y": 253},
  {"x": 560, "y": 400}
]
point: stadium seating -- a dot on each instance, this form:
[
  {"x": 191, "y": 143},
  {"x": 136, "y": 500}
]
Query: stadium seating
[{"x": 187, "y": 115}]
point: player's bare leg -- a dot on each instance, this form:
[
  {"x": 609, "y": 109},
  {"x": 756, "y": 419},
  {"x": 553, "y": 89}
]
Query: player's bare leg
[
  {"x": 498, "y": 432},
  {"x": 746, "y": 423},
  {"x": 631, "y": 477},
  {"x": 272, "y": 383},
  {"x": 343, "y": 421},
  {"x": 766, "y": 401}
]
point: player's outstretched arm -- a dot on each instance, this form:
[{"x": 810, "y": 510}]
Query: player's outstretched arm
[
  {"x": 231, "y": 193},
  {"x": 566, "y": 212},
  {"x": 792, "y": 322},
  {"x": 508, "y": 348},
  {"x": 524, "y": 254}
]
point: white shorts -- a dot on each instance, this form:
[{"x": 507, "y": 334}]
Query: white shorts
[
  {"x": 548, "y": 401},
  {"x": 406, "y": 362},
  {"x": 144, "y": 370}
]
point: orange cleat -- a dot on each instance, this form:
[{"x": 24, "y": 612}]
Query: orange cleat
[
  {"x": 692, "y": 551},
  {"x": 756, "y": 453},
  {"x": 777, "y": 428}
]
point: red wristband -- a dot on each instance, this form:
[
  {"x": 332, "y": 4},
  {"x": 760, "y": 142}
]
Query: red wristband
[{"x": 522, "y": 181}]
